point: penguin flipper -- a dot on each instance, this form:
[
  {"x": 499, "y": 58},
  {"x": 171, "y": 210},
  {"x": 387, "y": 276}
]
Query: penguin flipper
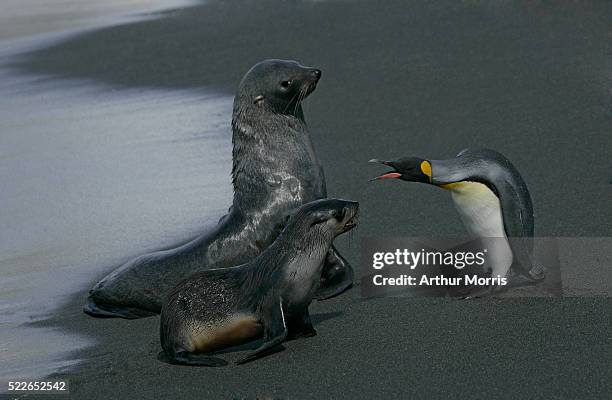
[{"x": 517, "y": 214}]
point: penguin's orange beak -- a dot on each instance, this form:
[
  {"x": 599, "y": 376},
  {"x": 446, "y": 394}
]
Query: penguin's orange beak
[{"x": 389, "y": 175}]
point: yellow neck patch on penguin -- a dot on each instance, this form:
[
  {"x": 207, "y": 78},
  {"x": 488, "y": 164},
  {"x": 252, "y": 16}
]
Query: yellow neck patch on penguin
[{"x": 467, "y": 187}]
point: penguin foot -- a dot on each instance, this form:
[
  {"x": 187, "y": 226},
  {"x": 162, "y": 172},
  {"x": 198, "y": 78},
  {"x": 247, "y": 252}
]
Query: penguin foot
[
  {"x": 537, "y": 273},
  {"x": 487, "y": 291}
]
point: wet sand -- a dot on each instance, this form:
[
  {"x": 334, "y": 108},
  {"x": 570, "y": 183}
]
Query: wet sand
[{"x": 529, "y": 80}]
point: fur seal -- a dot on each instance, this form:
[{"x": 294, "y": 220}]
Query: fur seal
[
  {"x": 492, "y": 199},
  {"x": 267, "y": 297},
  {"x": 274, "y": 171}
]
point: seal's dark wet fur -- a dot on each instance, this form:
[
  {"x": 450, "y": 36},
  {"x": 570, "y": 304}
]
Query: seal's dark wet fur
[
  {"x": 267, "y": 297},
  {"x": 274, "y": 171}
]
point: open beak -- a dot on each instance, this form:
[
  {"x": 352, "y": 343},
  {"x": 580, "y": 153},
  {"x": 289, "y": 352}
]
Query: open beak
[{"x": 388, "y": 175}]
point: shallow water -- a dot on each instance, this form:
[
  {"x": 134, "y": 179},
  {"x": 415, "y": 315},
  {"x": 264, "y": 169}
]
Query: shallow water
[
  {"x": 91, "y": 175},
  {"x": 33, "y": 17}
]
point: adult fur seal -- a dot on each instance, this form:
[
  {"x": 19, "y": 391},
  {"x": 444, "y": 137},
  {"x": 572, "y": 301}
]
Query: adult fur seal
[
  {"x": 274, "y": 171},
  {"x": 268, "y": 297}
]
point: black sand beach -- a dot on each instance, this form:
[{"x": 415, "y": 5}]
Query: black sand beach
[{"x": 401, "y": 78}]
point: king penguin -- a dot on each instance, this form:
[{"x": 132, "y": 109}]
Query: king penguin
[{"x": 491, "y": 198}]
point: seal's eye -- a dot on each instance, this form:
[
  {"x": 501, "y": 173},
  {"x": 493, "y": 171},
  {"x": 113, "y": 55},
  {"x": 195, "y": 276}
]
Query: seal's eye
[
  {"x": 286, "y": 84},
  {"x": 318, "y": 219},
  {"x": 338, "y": 214}
]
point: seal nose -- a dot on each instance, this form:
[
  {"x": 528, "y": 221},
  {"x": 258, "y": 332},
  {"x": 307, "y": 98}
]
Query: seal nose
[
  {"x": 316, "y": 73},
  {"x": 351, "y": 208}
]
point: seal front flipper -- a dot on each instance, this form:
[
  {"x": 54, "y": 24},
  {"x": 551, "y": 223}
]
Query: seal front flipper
[
  {"x": 185, "y": 358},
  {"x": 300, "y": 327},
  {"x": 275, "y": 333},
  {"x": 96, "y": 310},
  {"x": 336, "y": 277}
]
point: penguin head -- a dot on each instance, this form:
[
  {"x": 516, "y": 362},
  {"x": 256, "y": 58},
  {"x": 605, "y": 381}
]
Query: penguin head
[{"x": 412, "y": 169}]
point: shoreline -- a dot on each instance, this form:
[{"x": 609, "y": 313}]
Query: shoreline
[{"x": 81, "y": 192}]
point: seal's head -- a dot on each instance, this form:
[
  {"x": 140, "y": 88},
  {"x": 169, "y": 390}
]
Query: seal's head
[
  {"x": 277, "y": 85},
  {"x": 322, "y": 220}
]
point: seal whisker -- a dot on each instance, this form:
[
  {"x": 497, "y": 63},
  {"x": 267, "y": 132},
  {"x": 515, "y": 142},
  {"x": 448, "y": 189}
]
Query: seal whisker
[
  {"x": 302, "y": 95},
  {"x": 291, "y": 100}
]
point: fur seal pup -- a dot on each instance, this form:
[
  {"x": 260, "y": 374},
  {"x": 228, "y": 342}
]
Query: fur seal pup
[
  {"x": 274, "y": 171},
  {"x": 491, "y": 198},
  {"x": 267, "y": 297}
]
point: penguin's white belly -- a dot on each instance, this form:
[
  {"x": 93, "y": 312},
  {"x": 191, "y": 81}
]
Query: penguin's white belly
[
  {"x": 480, "y": 211},
  {"x": 479, "y": 208}
]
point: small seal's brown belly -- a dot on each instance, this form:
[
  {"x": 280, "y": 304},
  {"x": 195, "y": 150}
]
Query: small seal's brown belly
[{"x": 237, "y": 330}]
